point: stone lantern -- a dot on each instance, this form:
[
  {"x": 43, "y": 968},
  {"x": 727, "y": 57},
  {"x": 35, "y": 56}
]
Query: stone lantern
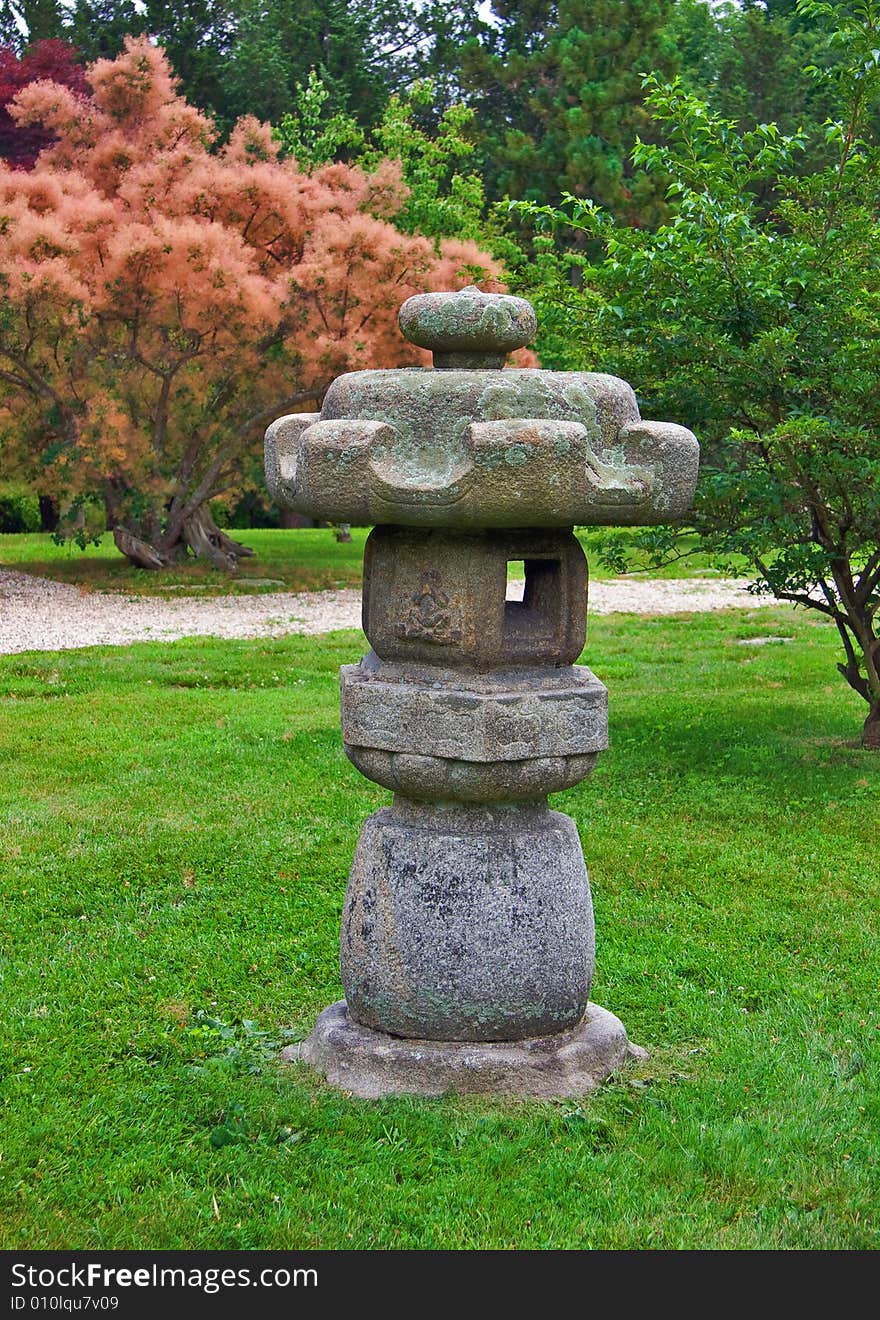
[{"x": 467, "y": 944}]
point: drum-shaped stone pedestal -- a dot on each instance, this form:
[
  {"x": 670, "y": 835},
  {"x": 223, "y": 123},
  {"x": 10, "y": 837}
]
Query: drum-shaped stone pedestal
[
  {"x": 467, "y": 923},
  {"x": 467, "y": 957}
]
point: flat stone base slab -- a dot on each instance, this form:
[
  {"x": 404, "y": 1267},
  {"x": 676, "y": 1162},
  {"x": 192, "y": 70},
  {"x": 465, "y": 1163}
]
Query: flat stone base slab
[{"x": 370, "y": 1064}]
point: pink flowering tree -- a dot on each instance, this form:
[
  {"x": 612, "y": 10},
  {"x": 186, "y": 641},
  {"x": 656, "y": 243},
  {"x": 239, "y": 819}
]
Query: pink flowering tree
[{"x": 161, "y": 300}]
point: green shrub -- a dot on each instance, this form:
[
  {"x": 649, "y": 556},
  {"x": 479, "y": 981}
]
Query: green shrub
[{"x": 19, "y": 509}]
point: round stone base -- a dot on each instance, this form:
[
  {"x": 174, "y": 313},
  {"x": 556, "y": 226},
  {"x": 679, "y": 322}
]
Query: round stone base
[{"x": 371, "y": 1064}]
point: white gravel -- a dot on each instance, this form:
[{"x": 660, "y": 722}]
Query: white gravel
[{"x": 38, "y": 614}]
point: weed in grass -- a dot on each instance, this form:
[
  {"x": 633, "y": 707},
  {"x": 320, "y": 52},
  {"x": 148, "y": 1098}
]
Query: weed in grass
[{"x": 238, "y": 1048}]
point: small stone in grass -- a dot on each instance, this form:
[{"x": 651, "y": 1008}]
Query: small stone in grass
[{"x": 761, "y": 641}]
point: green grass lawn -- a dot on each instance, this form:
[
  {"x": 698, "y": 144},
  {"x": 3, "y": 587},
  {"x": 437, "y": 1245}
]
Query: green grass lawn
[
  {"x": 306, "y": 559},
  {"x": 176, "y": 825}
]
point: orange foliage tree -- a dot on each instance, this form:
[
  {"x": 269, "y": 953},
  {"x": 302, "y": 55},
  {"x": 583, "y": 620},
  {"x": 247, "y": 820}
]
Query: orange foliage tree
[{"x": 163, "y": 298}]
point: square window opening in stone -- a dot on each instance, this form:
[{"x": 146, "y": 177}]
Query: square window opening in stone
[
  {"x": 516, "y": 573},
  {"x": 538, "y": 616}
]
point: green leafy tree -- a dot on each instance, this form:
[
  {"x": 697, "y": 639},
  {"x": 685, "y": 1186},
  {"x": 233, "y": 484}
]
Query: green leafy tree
[
  {"x": 557, "y": 90},
  {"x": 362, "y": 51},
  {"x": 747, "y": 60},
  {"x": 25, "y": 21},
  {"x": 246, "y": 57},
  {"x": 314, "y": 134},
  {"x": 98, "y": 27},
  {"x": 445, "y": 197},
  {"x": 762, "y": 332}
]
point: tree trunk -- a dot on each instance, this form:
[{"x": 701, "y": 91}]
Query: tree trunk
[
  {"x": 199, "y": 534},
  {"x": 138, "y": 552},
  {"x": 48, "y": 514},
  {"x": 207, "y": 541},
  {"x": 871, "y": 729}
]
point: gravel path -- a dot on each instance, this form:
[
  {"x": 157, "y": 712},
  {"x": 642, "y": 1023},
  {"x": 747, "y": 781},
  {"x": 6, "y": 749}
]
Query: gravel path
[{"x": 38, "y": 614}]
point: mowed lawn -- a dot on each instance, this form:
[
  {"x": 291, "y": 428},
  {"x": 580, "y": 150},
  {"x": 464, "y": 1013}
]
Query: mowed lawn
[
  {"x": 176, "y": 825},
  {"x": 307, "y": 559}
]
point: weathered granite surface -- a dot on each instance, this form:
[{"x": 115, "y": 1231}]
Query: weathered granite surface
[
  {"x": 439, "y": 779},
  {"x": 439, "y": 597},
  {"x": 500, "y": 716},
  {"x": 466, "y": 449},
  {"x": 467, "y": 944},
  {"x": 497, "y": 736},
  {"x": 371, "y": 1064},
  {"x": 467, "y": 923},
  {"x": 469, "y": 328}
]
